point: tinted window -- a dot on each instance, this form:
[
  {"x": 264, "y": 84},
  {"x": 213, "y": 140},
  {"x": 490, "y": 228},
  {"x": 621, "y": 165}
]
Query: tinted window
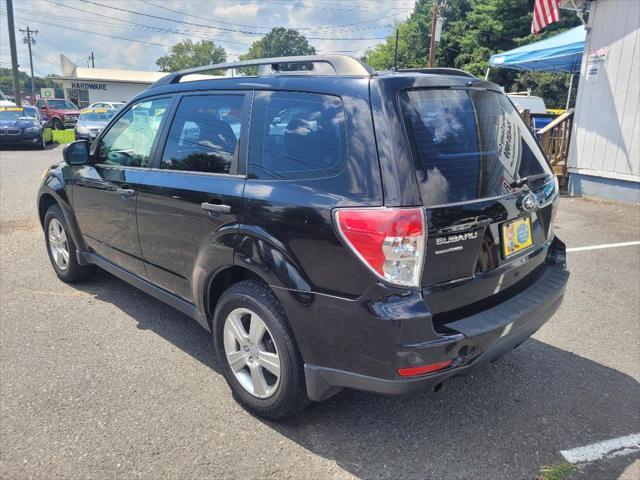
[
  {"x": 97, "y": 114},
  {"x": 61, "y": 104},
  {"x": 129, "y": 140},
  {"x": 205, "y": 134},
  {"x": 467, "y": 144},
  {"x": 296, "y": 136}
]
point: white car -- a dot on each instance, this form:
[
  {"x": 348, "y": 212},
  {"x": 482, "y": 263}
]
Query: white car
[
  {"x": 4, "y": 101},
  {"x": 114, "y": 105},
  {"x": 528, "y": 102}
]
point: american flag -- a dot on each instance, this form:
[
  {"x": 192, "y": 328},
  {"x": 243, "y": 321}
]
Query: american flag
[{"x": 545, "y": 12}]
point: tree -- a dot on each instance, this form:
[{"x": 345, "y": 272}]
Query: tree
[
  {"x": 279, "y": 42},
  {"x": 187, "y": 54},
  {"x": 413, "y": 39},
  {"x": 6, "y": 82},
  {"x": 475, "y": 30}
]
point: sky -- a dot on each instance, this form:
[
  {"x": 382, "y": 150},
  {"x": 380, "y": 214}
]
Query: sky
[{"x": 76, "y": 28}]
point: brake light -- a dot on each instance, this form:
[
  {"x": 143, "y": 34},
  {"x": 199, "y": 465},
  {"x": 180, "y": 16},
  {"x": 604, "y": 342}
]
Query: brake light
[
  {"x": 413, "y": 371},
  {"x": 390, "y": 241}
]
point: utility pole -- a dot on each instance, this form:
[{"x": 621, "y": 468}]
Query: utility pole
[
  {"x": 14, "y": 53},
  {"x": 93, "y": 63},
  {"x": 432, "y": 40},
  {"x": 28, "y": 40}
]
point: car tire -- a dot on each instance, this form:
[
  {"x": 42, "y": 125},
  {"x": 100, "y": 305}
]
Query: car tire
[
  {"x": 61, "y": 249},
  {"x": 57, "y": 124},
  {"x": 43, "y": 143},
  {"x": 241, "y": 305}
]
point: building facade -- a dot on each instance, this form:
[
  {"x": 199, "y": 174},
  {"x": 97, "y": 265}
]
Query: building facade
[
  {"x": 604, "y": 156},
  {"x": 85, "y": 86}
]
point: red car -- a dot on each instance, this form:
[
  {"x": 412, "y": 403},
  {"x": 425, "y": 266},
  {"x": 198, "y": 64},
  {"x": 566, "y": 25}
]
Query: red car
[{"x": 62, "y": 113}]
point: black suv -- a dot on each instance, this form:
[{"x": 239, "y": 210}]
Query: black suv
[{"x": 332, "y": 226}]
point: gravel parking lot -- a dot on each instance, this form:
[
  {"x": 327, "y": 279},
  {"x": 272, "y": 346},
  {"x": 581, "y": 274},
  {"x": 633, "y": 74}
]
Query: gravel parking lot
[{"x": 101, "y": 381}]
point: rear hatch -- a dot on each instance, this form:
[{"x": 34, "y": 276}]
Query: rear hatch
[{"x": 488, "y": 193}]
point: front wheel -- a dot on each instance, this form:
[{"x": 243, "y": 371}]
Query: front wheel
[
  {"x": 257, "y": 351},
  {"x": 42, "y": 145},
  {"x": 57, "y": 124},
  {"x": 61, "y": 249}
]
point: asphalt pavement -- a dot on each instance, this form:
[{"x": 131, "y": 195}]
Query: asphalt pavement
[{"x": 101, "y": 381}]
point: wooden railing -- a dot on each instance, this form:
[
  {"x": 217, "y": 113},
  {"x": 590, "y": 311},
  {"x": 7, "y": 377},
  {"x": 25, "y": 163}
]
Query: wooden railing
[{"x": 554, "y": 140}]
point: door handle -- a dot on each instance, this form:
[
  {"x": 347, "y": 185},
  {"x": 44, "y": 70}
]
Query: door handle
[
  {"x": 216, "y": 207},
  {"x": 126, "y": 192}
]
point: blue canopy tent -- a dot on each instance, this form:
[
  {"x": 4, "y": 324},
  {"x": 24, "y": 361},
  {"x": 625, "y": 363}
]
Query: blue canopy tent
[{"x": 561, "y": 53}]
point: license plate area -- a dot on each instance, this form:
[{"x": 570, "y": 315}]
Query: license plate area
[{"x": 516, "y": 236}]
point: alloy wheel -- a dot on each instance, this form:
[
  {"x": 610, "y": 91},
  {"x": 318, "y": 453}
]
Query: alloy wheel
[
  {"x": 58, "y": 244},
  {"x": 251, "y": 353}
]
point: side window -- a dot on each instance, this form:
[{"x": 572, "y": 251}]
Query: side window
[
  {"x": 296, "y": 136},
  {"x": 128, "y": 142},
  {"x": 204, "y": 134},
  {"x": 40, "y": 104}
]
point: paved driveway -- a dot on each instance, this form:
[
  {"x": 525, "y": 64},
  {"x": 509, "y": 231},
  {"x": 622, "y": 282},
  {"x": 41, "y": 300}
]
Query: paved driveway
[{"x": 102, "y": 381}]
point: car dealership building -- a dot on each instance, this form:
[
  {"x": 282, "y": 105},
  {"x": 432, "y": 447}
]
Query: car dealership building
[{"x": 85, "y": 86}]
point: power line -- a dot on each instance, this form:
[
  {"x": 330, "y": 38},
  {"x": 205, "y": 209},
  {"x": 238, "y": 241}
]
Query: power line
[
  {"x": 127, "y": 27},
  {"x": 157, "y": 17},
  {"x": 160, "y": 29},
  {"x": 326, "y": 27},
  {"x": 99, "y": 34}
]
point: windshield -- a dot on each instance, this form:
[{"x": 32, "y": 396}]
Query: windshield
[
  {"x": 62, "y": 104},
  {"x": 97, "y": 115},
  {"x": 18, "y": 113},
  {"x": 467, "y": 144}
]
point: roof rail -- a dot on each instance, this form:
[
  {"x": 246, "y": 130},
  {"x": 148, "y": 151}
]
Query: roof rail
[
  {"x": 439, "y": 71},
  {"x": 322, "y": 65}
]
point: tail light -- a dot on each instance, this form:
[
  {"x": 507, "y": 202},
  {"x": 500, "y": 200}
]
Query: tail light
[{"x": 390, "y": 241}]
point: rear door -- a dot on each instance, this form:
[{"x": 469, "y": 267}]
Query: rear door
[
  {"x": 189, "y": 203},
  {"x": 471, "y": 150}
]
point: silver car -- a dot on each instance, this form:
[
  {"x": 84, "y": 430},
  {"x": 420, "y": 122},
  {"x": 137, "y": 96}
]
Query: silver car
[{"x": 92, "y": 121}]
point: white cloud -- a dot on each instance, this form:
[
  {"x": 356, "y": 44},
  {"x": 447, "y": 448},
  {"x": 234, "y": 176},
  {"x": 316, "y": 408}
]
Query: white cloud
[{"x": 54, "y": 23}]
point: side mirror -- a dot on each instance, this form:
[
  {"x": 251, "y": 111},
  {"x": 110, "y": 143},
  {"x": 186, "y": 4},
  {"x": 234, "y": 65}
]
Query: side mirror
[{"x": 76, "y": 153}]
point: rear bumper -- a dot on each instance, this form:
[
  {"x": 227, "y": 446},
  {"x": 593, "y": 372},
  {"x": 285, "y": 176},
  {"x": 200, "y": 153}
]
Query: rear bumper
[{"x": 481, "y": 338}]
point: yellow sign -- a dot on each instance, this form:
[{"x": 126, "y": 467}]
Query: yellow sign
[
  {"x": 11, "y": 109},
  {"x": 95, "y": 110},
  {"x": 516, "y": 236}
]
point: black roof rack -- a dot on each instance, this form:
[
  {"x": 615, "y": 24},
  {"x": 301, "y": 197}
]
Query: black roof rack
[
  {"x": 322, "y": 65},
  {"x": 439, "y": 71}
]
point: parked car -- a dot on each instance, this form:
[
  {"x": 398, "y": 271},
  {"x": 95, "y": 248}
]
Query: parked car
[
  {"x": 397, "y": 232},
  {"x": 4, "y": 101},
  {"x": 91, "y": 122},
  {"x": 540, "y": 116},
  {"x": 63, "y": 113},
  {"x": 109, "y": 105},
  {"x": 24, "y": 126}
]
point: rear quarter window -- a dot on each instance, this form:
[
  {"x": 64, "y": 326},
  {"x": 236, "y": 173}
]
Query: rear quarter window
[{"x": 296, "y": 135}]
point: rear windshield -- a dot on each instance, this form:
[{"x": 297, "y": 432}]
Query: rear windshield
[
  {"x": 467, "y": 144},
  {"x": 97, "y": 114}
]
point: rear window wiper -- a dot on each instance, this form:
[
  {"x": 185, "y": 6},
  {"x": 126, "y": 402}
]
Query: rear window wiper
[{"x": 527, "y": 180}]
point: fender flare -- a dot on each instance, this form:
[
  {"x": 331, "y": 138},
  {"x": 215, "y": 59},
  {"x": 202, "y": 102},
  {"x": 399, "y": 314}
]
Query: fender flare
[
  {"x": 267, "y": 257},
  {"x": 54, "y": 188}
]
